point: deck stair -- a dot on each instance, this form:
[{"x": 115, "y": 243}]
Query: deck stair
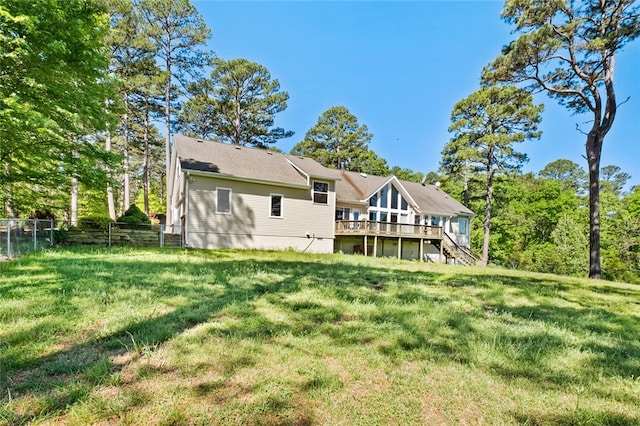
[{"x": 458, "y": 254}]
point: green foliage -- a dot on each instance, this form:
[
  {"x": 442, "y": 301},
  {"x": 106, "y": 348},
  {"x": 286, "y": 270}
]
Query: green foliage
[
  {"x": 52, "y": 92},
  {"x": 485, "y": 127},
  {"x": 237, "y": 104},
  {"x": 621, "y": 235},
  {"x": 571, "y": 246},
  {"x": 613, "y": 179},
  {"x": 569, "y": 51},
  {"x": 409, "y": 175},
  {"x": 134, "y": 215},
  {"x": 178, "y": 33},
  {"x": 94, "y": 222},
  {"x": 338, "y": 141},
  {"x": 571, "y": 176}
]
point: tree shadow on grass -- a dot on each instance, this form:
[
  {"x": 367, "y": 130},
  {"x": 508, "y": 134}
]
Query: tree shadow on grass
[
  {"x": 580, "y": 416},
  {"x": 410, "y": 317},
  {"x": 62, "y": 378}
]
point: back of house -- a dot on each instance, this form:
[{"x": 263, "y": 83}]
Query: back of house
[{"x": 227, "y": 196}]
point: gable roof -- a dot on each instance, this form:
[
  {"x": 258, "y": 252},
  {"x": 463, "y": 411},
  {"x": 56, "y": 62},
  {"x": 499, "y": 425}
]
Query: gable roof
[
  {"x": 216, "y": 158},
  {"x": 429, "y": 198},
  {"x": 433, "y": 200},
  {"x": 237, "y": 162}
]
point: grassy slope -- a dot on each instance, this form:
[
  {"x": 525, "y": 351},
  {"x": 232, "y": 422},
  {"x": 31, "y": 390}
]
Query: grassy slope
[{"x": 226, "y": 337}]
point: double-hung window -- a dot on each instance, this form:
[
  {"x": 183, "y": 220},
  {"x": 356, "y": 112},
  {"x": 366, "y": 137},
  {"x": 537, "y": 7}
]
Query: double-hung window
[
  {"x": 223, "y": 200},
  {"x": 321, "y": 192},
  {"x": 463, "y": 226},
  {"x": 276, "y": 205},
  {"x": 343, "y": 213}
]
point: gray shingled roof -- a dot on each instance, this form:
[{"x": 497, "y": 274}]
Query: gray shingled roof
[
  {"x": 232, "y": 160},
  {"x": 252, "y": 163},
  {"x": 430, "y": 199},
  {"x": 433, "y": 200}
]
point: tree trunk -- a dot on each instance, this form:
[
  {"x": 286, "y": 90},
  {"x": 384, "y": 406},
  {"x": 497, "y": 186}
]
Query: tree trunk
[
  {"x": 145, "y": 159},
  {"x": 167, "y": 125},
  {"x": 126, "y": 190},
  {"x": 9, "y": 197},
  {"x": 594, "y": 150},
  {"x": 487, "y": 223},
  {"x": 74, "y": 201},
  {"x": 487, "y": 210},
  {"x": 465, "y": 190},
  {"x": 236, "y": 122},
  {"x": 110, "y": 201}
]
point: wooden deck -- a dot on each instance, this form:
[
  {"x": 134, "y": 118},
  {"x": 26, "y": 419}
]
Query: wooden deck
[{"x": 386, "y": 229}]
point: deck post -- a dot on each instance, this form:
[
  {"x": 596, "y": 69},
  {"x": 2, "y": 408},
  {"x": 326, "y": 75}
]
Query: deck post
[
  {"x": 421, "y": 250},
  {"x": 364, "y": 250},
  {"x": 399, "y": 247},
  {"x": 375, "y": 246},
  {"x": 441, "y": 247}
]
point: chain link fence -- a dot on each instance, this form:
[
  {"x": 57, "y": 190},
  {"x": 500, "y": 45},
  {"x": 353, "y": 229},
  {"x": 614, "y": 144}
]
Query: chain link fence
[{"x": 20, "y": 236}]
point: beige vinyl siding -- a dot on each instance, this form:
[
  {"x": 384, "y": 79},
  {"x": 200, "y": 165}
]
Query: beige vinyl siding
[
  {"x": 250, "y": 224},
  {"x": 454, "y": 228},
  {"x": 177, "y": 202}
]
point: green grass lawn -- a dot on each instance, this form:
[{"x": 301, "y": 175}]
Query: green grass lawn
[{"x": 151, "y": 336}]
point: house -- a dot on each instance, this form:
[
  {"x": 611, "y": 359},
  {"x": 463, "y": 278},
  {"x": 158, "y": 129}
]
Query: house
[
  {"x": 237, "y": 197},
  {"x": 232, "y": 196}
]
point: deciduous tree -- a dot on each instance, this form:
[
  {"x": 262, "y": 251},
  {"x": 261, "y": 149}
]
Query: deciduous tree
[
  {"x": 568, "y": 49},
  {"x": 53, "y": 85}
]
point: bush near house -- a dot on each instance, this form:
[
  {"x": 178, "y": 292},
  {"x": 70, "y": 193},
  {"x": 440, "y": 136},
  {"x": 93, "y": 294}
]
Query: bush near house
[{"x": 134, "y": 215}]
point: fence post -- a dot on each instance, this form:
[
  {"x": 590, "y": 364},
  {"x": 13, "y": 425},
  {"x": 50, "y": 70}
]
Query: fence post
[
  {"x": 9, "y": 239},
  {"x": 109, "y": 234},
  {"x": 35, "y": 234},
  {"x": 162, "y": 235},
  {"x": 51, "y": 230}
]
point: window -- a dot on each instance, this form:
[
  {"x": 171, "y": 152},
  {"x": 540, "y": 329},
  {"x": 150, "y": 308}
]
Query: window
[
  {"x": 383, "y": 197},
  {"x": 403, "y": 204},
  {"x": 435, "y": 220},
  {"x": 276, "y": 205},
  {"x": 223, "y": 204},
  {"x": 343, "y": 213},
  {"x": 321, "y": 192},
  {"x": 394, "y": 197},
  {"x": 463, "y": 226},
  {"x": 373, "y": 216},
  {"x": 373, "y": 201}
]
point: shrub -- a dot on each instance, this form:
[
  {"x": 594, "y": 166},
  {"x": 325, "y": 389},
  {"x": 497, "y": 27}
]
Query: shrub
[
  {"x": 134, "y": 215},
  {"x": 94, "y": 222},
  {"x": 42, "y": 214}
]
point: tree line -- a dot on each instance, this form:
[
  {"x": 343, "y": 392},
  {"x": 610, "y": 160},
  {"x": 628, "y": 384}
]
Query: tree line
[{"x": 92, "y": 90}]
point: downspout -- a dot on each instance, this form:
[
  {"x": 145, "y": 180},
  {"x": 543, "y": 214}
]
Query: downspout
[{"x": 185, "y": 202}]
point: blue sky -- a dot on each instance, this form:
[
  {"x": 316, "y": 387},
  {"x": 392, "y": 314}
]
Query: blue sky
[{"x": 400, "y": 66}]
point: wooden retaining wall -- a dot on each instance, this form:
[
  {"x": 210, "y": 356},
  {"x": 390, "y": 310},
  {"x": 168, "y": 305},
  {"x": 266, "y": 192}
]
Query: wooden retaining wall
[{"x": 119, "y": 237}]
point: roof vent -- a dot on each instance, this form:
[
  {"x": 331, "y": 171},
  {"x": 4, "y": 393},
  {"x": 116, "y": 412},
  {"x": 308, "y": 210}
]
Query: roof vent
[
  {"x": 238, "y": 148},
  {"x": 199, "y": 140},
  {"x": 364, "y": 175},
  {"x": 269, "y": 153}
]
